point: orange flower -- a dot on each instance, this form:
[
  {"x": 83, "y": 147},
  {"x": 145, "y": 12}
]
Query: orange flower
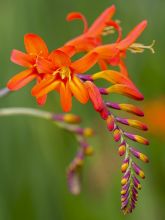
[
  {"x": 35, "y": 48},
  {"x": 91, "y": 37},
  {"x": 113, "y": 54},
  {"x": 61, "y": 75}
]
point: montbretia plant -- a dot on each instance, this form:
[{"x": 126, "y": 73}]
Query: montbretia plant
[{"x": 58, "y": 71}]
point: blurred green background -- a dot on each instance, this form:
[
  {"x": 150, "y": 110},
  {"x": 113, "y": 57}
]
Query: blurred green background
[{"x": 34, "y": 153}]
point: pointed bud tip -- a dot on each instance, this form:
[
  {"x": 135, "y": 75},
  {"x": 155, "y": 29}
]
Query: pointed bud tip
[
  {"x": 145, "y": 127},
  {"x": 142, "y": 175},
  {"x": 140, "y": 96},
  {"x": 113, "y": 7},
  {"x": 145, "y": 23}
]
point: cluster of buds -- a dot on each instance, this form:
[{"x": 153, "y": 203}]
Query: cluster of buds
[
  {"x": 70, "y": 122},
  {"x": 74, "y": 170},
  {"x": 56, "y": 71},
  {"x": 130, "y": 183}
]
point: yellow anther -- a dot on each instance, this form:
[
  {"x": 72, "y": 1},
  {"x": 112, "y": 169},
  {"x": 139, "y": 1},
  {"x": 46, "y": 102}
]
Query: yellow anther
[
  {"x": 55, "y": 72},
  {"x": 110, "y": 29},
  {"x": 139, "y": 48},
  {"x": 65, "y": 72}
]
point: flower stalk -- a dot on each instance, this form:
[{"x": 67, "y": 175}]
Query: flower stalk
[{"x": 69, "y": 122}]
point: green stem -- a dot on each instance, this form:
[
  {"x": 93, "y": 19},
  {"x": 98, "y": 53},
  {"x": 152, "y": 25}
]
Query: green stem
[
  {"x": 37, "y": 113},
  {"x": 25, "y": 111}
]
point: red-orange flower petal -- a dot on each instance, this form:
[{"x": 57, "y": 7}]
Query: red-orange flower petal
[
  {"x": 78, "y": 89},
  {"x": 35, "y": 45},
  {"x": 69, "y": 50},
  {"x": 44, "y": 66},
  {"x": 102, "y": 64},
  {"x": 84, "y": 43},
  {"x": 95, "y": 96},
  {"x": 45, "y": 90},
  {"x": 123, "y": 68},
  {"x": 60, "y": 58},
  {"x": 65, "y": 97},
  {"x": 85, "y": 63},
  {"x": 21, "y": 79},
  {"x": 77, "y": 15},
  {"x": 132, "y": 36},
  {"x": 107, "y": 51},
  {"x": 117, "y": 27},
  {"x": 101, "y": 21},
  {"x": 42, "y": 85},
  {"x": 22, "y": 59},
  {"x": 41, "y": 100}
]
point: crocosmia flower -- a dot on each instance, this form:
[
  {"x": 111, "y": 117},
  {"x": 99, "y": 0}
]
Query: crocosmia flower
[
  {"x": 113, "y": 54},
  {"x": 91, "y": 36},
  {"x": 35, "y": 47},
  {"x": 37, "y": 53},
  {"x": 56, "y": 71},
  {"x": 62, "y": 77}
]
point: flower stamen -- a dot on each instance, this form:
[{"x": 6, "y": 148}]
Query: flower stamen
[
  {"x": 139, "y": 48},
  {"x": 64, "y": 72},
  {"x": 108, "y": 30}
]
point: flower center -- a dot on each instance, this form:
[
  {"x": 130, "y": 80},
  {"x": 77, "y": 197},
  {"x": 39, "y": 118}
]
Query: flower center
[{"x": 64, "y": 72}]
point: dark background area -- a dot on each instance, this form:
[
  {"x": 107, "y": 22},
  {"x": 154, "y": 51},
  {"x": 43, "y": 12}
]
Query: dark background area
[{"x": 34, "y": 153}]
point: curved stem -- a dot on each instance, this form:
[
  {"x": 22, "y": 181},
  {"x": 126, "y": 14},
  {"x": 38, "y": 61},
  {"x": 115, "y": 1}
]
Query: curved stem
[
  {"x": 58, "y": 119},
  {"x": 25, "y": 111}
]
